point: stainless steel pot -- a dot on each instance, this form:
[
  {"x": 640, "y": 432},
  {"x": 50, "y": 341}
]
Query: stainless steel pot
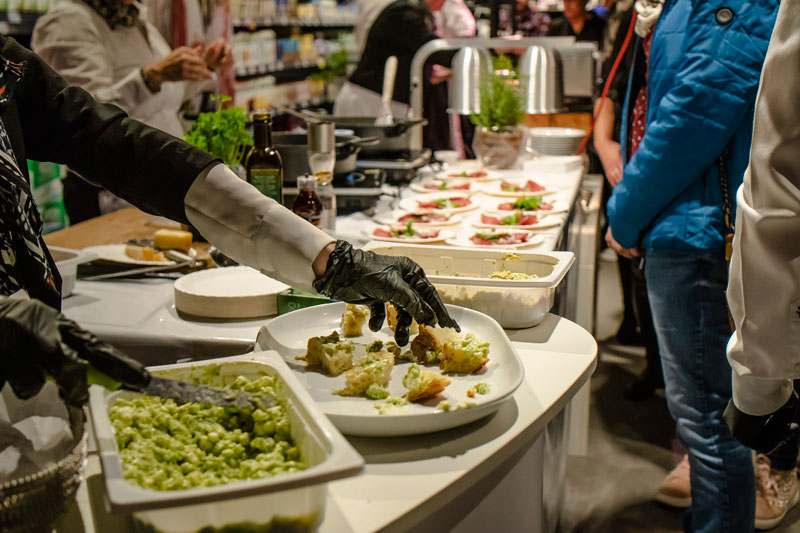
[
  {"x": 293, "y": 148},
  {"x": 395, "y": 137}
]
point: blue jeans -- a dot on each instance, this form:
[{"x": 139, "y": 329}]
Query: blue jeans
[{"x": 687, "y": 298}]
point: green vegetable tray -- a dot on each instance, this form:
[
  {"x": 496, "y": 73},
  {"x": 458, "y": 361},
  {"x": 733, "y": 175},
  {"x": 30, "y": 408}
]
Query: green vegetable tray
[{"x": 295, "y": 496}]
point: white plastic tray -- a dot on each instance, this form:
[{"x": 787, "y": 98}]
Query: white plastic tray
[
  {"x": 298, "y": 494},
  {"x": 461, "y": 276},
  {"x": 288, "y": 335}
]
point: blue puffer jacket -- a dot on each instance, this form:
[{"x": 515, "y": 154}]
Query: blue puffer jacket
[{"x": 703, "y": 77}]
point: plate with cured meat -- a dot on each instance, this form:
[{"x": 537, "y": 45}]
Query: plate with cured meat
[
  {"x": 517, "y": 220},
  {"x": 515, "y": 188},
  {"x": 422, "y": 219},
  {"x": 409, "y": 233},
  {"x": 451, "y": 202},
  {"x": 532, "y": 204},
  {"x": 472, "y": 174},
  {"x": 497, "y": 238},
  {"x": 440, "y": 185}
]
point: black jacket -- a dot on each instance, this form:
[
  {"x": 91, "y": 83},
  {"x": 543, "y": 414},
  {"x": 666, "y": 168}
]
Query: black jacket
[{"x": 46, "y": 120}]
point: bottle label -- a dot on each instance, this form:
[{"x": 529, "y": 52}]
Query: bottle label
[{"x": 269, "y": 182}]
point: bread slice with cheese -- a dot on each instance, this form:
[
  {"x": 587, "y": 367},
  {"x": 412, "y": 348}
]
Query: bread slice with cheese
[
  {"x": 353, "y": 320},
  {"x": 428, "y": 346},
  {"x": 391, "y": 319},
  {"x": 330, "y": 354},
  {"x": 423, "y": 384},
  {"x": 375, "y": 368}
]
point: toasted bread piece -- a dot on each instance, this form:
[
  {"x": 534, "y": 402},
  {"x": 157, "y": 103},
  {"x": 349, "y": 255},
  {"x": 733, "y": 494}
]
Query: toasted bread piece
[
  {"x": 373, "y": 369},
  {"x": 391, "y": 319},
  {"x": 423, "y": 384},
  {"x": 330, "y": 354},
  {"x": 428, "y": 346},
  {"x": 465, "y": 355},
  {"x": 143, "y": 253},
  {"x": 353, "y": 320}
]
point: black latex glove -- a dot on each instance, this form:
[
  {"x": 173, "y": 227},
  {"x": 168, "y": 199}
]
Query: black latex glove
[
  {"x": 37, "y": 341},
  {"x": 359, "y": 277},
  {"x": 765, "y": 433}
]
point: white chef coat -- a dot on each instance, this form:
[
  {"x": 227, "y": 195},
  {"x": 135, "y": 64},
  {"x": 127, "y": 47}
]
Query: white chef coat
[
  {"x": 78, "y": 43},
  {"x": 764, "y": 287}
]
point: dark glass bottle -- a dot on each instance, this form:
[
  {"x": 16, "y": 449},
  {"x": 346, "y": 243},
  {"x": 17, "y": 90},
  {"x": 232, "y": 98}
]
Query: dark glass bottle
[
  {"x": 263, "y": 163},
  {"x": 307, "y": 204}
]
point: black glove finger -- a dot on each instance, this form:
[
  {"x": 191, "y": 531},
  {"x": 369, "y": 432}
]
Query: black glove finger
[
  {"x": 103, "y": 356},
  {"x": 401, "y": 330},
  {"x": 377, "y": 315},
  {"x": 431, "y": 296},
  {"x": 391, "y": 286},
  {"x": 73, "y": 383}
]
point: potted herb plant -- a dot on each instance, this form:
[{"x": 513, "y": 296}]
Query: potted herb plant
[
  {"x": 498, "y": 138},
  {"x": 222, "y": 133}
]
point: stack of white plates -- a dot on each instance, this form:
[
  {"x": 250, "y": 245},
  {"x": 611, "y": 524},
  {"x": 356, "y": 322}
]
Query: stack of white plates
[{"x": 555, "y": 141}]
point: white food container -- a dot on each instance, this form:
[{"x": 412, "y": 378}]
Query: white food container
[
  {"x": 461, "y": 276},
  {"x": 67, "y": 261},
  {"x": 256, "y": 503}
]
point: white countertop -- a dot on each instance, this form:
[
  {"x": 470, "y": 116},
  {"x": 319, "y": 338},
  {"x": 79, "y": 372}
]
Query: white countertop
[
  {"x": 140, "y": 315},
  {"x": 408, "y": 480}
]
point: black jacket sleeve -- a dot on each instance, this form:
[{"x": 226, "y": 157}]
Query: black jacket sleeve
[{"x": 64, "y": 124}]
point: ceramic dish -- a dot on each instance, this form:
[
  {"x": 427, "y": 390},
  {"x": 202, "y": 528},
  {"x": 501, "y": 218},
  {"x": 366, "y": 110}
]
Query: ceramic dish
[
  {"x": 379, "y": 234},
  {"x": 428, "y": 202},
  {"x": 465, "y": 239},
  {"x": 508, "y": 204},
  {"x": 400, "y": 217},
  {"x": 501, "y": 220},
  {"x": 288, "y": 335},
  {"x": 430, "y": 185},
  {"x": 115, "y": 253},
  {"x": 528, "y": 188},
  {"x": 472, "y": 174}
]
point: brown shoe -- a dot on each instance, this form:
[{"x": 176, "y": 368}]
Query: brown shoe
[
  {"x": 676, "y": 489},
  {"x": 776, "y": 493}
]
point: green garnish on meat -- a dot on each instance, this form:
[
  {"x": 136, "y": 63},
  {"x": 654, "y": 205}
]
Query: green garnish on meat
[
  {"x": 511, "y": 220},
  {"x": 528, "y": 203}
]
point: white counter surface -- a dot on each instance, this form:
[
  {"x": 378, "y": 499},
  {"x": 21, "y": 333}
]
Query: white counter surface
[
  {"x": 140, "y": 317},
  {"x": 409, "y": 483}
]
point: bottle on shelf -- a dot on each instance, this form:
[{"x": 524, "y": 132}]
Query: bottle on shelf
[
  {"x": 307, "y": 205},
  {"x": 263, "y": 164}
]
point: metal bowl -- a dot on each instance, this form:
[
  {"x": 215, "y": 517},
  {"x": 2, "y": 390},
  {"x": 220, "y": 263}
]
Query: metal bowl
[{"x": 32, "y": 503}]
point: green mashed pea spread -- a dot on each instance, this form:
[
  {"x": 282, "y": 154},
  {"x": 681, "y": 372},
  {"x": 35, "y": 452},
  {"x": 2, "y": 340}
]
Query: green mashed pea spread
[{"x": 165, "y": 446}]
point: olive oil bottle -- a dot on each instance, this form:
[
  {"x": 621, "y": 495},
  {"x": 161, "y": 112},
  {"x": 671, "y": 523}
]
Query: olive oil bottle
[{"x": 263, "y": 164}]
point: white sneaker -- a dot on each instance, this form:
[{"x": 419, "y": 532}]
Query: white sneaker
[
  {"x": 676, "y": 489},
  {"x": 776, "y": 493}
]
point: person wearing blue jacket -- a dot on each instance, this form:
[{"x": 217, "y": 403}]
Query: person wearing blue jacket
[{"x": 704, "y": 67}]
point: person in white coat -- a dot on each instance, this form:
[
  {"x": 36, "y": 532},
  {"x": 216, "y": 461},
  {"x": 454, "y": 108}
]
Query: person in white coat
[
  {"x": 764, "y": 284},
  {"x": 110, "y": 49}
]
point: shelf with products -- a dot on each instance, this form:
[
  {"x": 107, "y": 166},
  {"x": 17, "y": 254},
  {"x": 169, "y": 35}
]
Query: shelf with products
[
  {"x": 294, "y": 22},
  {"x": 282, "y": 72}
]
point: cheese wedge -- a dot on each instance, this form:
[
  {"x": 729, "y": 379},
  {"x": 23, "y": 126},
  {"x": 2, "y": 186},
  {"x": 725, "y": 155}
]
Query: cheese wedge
[{"x": 172, "y": 239}]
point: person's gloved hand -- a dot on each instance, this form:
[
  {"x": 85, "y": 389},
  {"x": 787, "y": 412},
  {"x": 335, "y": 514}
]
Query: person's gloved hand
[
  {"x": 37, "y": 341},
  {"x": 765, "y": 433},
  {"x": 360, "y": 277}
]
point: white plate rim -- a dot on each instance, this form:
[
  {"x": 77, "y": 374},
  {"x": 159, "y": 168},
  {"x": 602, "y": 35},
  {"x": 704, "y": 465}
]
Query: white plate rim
[
  {"x": 115, "y": 253},
  {"x": 444, "y": 235},
  {"x": 413, "y": 201},
  {"x": 455, "y": 219},
  {"x": 535, "y": 240}
]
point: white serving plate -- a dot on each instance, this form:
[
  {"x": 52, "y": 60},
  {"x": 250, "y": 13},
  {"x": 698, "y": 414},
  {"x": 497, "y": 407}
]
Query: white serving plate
[
  {"x": 115, "y": 253},
  {"x": 463, "y": 240},
  {"x": 545, "y": 222},
  {"x": 419, "y": 186},
  {"x": 493, "y": 189},
  {"x": 559, "y": 206},
  {"x": 232, "y": 292},
  {"x": 329, "y": 455},
  {"x": 443, "y": 236},
  {"x": 412, "y": 204},
  {"x": 288, "y": 335},
  {"x": 394, "y": 218},
  {"x": 446, "y": 174},
  {"x": 462, "y": 277}
]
